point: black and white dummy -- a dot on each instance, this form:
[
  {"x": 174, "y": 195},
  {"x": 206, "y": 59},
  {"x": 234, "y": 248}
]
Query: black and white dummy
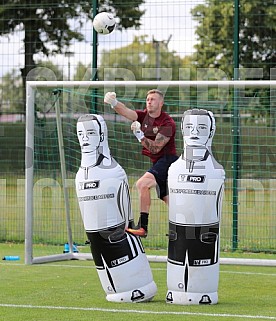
[
  {"x": 104, "y": 201},
  {"x": 196, "y": 186}
]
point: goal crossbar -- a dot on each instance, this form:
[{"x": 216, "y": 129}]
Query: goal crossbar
[{"x": 153, "y": 83}]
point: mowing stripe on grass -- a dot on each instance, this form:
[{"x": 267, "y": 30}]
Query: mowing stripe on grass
[
  {"x": 245, "y": 316},
  {"x": 153, "y": 269}
]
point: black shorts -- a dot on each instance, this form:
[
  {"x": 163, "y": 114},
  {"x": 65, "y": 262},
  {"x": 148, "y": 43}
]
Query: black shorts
[{"x": 160, "y": 171}]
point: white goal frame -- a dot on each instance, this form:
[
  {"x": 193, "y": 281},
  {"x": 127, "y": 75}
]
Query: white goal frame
[{"x": 31, "y": 86}]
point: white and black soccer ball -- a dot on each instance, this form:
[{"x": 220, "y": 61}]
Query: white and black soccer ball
[{"x": 104, "y": 23}]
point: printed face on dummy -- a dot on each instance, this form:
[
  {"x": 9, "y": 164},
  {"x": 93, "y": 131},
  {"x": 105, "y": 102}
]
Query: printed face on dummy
[
  {"x": 196, "y": 130},
  {"x": 89, "y": 135}
]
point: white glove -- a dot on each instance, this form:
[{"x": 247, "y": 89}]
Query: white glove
[
  {"x": 110, "y": 98},
  {"x": 136, "y": 128}
]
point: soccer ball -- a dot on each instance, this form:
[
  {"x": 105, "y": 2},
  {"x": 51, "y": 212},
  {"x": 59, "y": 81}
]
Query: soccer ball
[{"x": 104, "y": 23}]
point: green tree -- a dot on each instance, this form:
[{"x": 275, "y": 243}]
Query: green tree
[
  {"x": 83, "y": 72},
  {"x": 139, "y": 61},
  {"x": 57, "y": 71},
  {"x": 11, "y": 92},
  {"x": 257, "y": 33},
  {"x": 47, "y": 24},
  {"x": 83, "y": 96}
]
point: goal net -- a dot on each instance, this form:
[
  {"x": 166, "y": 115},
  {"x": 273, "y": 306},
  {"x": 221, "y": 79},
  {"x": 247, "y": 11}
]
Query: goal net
[{"x": 244, "y": 144}]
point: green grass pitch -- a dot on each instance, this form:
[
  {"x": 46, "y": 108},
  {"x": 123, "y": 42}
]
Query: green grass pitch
[{"x": 72, "y": 291}]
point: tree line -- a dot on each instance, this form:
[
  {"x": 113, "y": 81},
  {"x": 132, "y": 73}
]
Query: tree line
[{"x": 48, "y": 30}]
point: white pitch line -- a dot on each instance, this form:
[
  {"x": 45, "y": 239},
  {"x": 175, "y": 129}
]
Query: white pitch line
[
  {"x": 244, "y": 316},
  {"x": 249, "y": 273}
]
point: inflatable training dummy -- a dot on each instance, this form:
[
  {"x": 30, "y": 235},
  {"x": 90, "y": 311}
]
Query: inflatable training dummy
[
  {"x": 196, "y": 184},
  {"x": 104, "y": 201}
]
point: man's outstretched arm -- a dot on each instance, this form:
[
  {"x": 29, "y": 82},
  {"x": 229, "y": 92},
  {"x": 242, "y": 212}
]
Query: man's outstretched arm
[{"x": 119, "y": 107}]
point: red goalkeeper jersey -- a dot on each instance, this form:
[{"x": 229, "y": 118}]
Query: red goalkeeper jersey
[{"x": 164, "y": 125}]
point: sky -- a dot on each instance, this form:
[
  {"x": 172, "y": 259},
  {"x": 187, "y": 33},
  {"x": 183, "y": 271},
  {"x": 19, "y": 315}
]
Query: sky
[
  {"x": 164, "y": 20},
  {"x": 161, "y": 20}
]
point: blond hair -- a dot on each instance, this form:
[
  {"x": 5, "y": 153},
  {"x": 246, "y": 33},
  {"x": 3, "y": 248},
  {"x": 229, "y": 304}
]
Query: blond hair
[{"x": 155, "y": 91}]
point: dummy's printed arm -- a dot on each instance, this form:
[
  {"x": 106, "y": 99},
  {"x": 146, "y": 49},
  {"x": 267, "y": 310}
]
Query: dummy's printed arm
[{"x": 154, "y": 146}]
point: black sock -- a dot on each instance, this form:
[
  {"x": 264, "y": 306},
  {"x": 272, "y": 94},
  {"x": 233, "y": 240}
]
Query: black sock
[{"x": 143, "y": 221}]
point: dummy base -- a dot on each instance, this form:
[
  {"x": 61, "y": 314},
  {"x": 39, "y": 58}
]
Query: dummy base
[
  {"x": 188, "y": 298},
  {"x": 142, "y": 294}
]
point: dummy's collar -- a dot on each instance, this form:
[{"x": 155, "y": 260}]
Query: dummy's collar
[
  {"x": 98, "y": 162},
  {"x": 202, "y": 159}
]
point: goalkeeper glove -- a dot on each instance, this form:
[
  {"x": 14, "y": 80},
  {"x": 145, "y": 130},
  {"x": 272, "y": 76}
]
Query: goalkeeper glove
[
  {"x": 110, "y": 98},
  {"x": 136, "y": 128}
]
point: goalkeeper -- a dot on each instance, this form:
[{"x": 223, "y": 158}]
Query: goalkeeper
[{"x": 155, "y": 130}]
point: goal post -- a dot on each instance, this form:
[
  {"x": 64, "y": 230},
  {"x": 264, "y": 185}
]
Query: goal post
[{"x": 52, "y": 158}]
